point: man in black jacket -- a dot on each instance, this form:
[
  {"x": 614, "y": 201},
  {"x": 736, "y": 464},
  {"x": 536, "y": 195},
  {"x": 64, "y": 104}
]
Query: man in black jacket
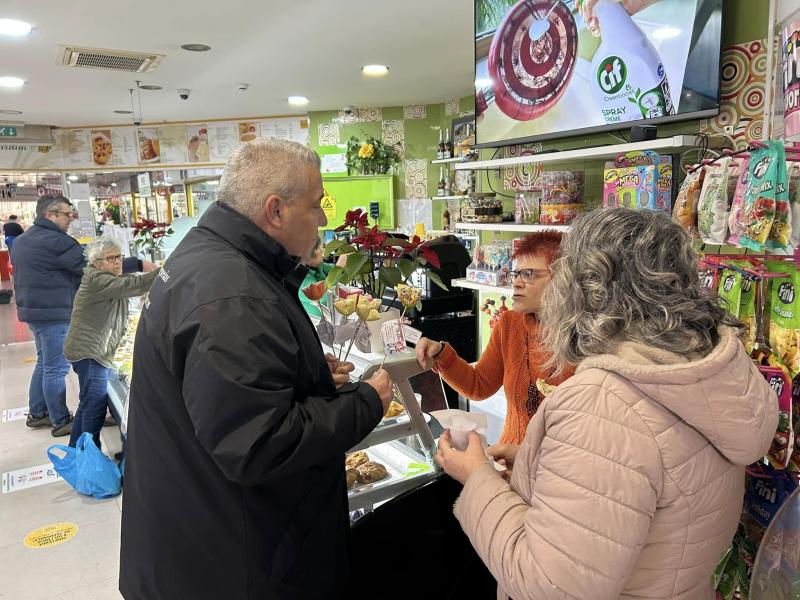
[
  {"x": 48, "y": 267},
  {"x": 234, "y": 484},
  {"x": 12, "y": 230}
]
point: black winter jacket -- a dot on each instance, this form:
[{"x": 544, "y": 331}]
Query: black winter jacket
[
  {"x": 48, "y": 267},
  {"x": 234, "y": 483}
]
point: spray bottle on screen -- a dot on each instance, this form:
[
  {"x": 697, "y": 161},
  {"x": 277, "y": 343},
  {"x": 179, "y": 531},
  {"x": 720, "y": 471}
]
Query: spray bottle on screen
[{"x": 629, "y": 80}]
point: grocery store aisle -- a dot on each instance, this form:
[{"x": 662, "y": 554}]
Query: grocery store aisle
[{"x": 82, "y": 568}]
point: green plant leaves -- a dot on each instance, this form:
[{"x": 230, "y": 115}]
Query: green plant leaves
[
  {"x": 436, "y": 279},
  {"x": 390, "y": 276},
  {"x": 354, "y": 265},
  {"x": 334, "y": 275},
  {"x": 406, "y": 267}
]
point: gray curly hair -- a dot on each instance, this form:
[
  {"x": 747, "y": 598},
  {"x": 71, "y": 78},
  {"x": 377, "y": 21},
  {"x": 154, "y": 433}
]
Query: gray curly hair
[
  {"x": 264, "y": 167},
  {"x": 99, "y": 247},
  {"x": 627, "y": 275}
]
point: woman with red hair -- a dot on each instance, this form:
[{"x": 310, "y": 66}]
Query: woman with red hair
[{"x": 513, "y": 357}]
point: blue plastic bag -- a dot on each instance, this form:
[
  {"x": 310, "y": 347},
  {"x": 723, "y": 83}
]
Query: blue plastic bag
[{"x": 86, "y": 468}]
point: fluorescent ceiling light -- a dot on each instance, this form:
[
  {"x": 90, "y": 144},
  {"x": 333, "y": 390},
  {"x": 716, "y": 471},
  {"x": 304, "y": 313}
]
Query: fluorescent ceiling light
[
  {"x": 375, "y": 70},
  {"x": 482, "y": 83},
  {"x": 11, "y": 82},
  {"x": 665, "y": 33},
  {"x": 124, "y": 112},
  {"x": 21, "y": 184},
  {"x": 14, "y": 27},
  {"x": 214, "y": 182},
  {"x": 150, "y": 87},
  {"x": 196, "y": 47},
  {"x": 73, "y": 178},
  {"x": 113, "y": 184},
  {"x": 298, "y": 100}
]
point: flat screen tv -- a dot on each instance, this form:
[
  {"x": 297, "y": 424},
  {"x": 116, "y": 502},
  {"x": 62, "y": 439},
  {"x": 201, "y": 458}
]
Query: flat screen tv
[{"x": 550, "y": 68}]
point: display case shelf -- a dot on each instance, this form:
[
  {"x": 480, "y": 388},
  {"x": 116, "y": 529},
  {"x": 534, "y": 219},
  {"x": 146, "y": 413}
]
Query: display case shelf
[
  {"x": 449, "y": 197},
  {"x": 670, "y": 145},
  {"x": 481, "y": 287},
  {"x": 457, "y": 159},
  {"x": 510, "y": 227}
]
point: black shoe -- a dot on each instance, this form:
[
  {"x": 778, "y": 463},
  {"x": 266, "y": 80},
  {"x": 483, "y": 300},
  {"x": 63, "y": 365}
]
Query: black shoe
[
  {"x": 64, "y": 429},
  {"x": 43, "y": 421},
  {"x": 110, "y": 421}
]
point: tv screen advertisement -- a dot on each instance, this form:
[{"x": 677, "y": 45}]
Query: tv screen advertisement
[{"x": 555, "y": 68}]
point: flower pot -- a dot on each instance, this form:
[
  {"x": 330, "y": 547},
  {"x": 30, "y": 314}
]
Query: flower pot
[{"x": 375, "y": 341}]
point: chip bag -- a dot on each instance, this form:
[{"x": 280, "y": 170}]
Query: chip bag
[
  {"x": 785, "y": 316},
  {"x": 759, "y": 201},
  {"x": 783, "y": 442},
  {"x": 730, "y": 291},
  {"x": 712, "y": 209},
  {"x": 685, "y": 209}
]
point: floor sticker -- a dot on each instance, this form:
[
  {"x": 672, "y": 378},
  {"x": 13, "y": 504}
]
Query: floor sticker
[
  {"x": 15, "y": 414},
  {"x": 14, "y": 481},
  {"x": 50, "y": 535}
]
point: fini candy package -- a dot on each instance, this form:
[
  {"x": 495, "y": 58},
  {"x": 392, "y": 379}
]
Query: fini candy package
[
  {"x": 784, "y": 327},
  {"x": 759, "y": 202}
]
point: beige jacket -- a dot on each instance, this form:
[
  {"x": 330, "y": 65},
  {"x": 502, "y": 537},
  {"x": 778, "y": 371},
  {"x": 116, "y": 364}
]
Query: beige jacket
[{"x": 630, "y": 479}]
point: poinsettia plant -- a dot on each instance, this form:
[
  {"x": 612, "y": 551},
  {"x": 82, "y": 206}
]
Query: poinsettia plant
[
  {"x": 150, "y": 234},
  {"x": 375, "y": 260}
]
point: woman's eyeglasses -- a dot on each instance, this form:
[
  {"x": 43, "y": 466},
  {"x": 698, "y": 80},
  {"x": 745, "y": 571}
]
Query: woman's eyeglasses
[
  {"x": 113, "y": 259},
  {"x": 528, "y": 275}
]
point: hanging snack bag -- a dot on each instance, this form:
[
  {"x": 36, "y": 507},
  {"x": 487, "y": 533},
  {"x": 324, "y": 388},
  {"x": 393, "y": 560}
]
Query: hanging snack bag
[
  {"x": 785, "y": 315},
  {"x": 759, "y": 200},
  {"x": 685, "y": 209},
  {"x": 709, "y": 279},
  {"x": 712, "y": 209},
  {"x": 780, "y": 235},
  {"x": 793, "y": 175},
  {"x": 766, "y": 493},
  {"x": 736, "y": 220},
  {"x": 747, "y": 312},
  {"x": 664, "y": 184},
  {"x": 730, "y": 291},
  {"x": 783, "y": 442}
]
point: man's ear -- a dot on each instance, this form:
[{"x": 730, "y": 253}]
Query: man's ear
[{"x": 274, "y": 211}]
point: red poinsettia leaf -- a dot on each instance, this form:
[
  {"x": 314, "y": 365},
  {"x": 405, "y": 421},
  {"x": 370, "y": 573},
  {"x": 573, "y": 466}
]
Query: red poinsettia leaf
[{"x": 430, "y": 255}]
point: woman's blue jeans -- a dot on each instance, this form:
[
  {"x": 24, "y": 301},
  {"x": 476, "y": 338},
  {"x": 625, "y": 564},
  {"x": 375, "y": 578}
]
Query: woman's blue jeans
[{"x": 91, "y": 414}]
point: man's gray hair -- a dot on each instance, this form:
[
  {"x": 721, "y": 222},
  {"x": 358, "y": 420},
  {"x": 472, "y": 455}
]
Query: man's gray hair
[
  {"x": 261, "y": 168},
  {"x": 627, "y": 275},
  {"x": 99, "y": 247},
  {"x": 47, "y": 204}
]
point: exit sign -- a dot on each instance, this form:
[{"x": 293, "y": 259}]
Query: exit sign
[{"x": 8, "y": 132}]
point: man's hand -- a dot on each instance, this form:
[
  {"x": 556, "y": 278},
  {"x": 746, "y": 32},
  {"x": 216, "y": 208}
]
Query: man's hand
[
  {"x": 425, "y": 351},
  {"x": 382, "y": 384},
  {"x": 339, "y": 370},
  {"x": 148, "y": 267}
]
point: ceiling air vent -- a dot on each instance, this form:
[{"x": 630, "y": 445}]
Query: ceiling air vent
[{"x": 110, "y": 60}]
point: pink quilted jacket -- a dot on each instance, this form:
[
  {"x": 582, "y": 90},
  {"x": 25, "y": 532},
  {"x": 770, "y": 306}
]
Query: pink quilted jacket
[{"x": 630, "y": 479}]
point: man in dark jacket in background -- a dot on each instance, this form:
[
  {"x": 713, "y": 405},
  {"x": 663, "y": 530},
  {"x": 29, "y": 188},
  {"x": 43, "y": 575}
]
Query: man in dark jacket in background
[
  {"x": 234, "y": 483},
  {"x": 12, "y": 230},
  {"x": 48, "y": 267}
]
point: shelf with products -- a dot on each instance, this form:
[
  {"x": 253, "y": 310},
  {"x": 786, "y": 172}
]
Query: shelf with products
[
  {"x": 523, "y": 227},
  {"x": 671, "y": 145},
  {"x": 453, "y": 160},
  {"x": 481, "y": 287}
]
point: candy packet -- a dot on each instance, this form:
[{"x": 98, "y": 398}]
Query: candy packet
[
  {"x": 759, "y": 201},
  {"x": 793, "y": 172},
  {"x": 766, "y": 489},
  {"x": 709, "y": 279},
  {"x": 780, "y": 235},
  {"x": 785, "y": 315},
  {"x": 730, "y": 291},
  {"x": 747, "y": 312},
  {"x": 664, "y": 184},
  {"x": 685, "y": 209},
  {"x": 736, "y": 220},
  {"x": 783, "y": 442},
  {"x": 712, "y": 209}
]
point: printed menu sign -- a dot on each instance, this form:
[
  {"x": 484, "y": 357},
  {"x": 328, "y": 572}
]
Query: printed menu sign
[
  {"x": 123, "y": 145},
  {"x": 172, "y": 143},
  {"x": 197, "y": 143},
  {"x": 149, "y": 146},
  {"x": 223, "y": 139},
  {"x": 79, "y": 148}
]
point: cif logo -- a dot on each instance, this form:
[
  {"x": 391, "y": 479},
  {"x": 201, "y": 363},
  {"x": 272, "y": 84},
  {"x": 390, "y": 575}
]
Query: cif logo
[
  {"x": 786, "y": 292},
  {"x": 612, "y": 74},
  {"x": 761, "y": 167}
]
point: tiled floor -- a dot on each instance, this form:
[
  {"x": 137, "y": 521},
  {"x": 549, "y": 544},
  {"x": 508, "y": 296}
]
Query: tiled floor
[{"x": 83, "y": 568}]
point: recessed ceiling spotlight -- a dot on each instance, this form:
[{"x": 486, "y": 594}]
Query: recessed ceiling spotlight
[
  {"x": 11, "y": 82},
  {"x": 298, "y": 100},
  {"x": 10, "y": 112},
  {"x": 196, "y": 47},
  {"x": 375, "y": 70},
  {"x": 150, "y": 87},
  {"x": 124, "y": 112},
  {"x": 73, "y": 178},
  {"x": 14, "y": 27}
]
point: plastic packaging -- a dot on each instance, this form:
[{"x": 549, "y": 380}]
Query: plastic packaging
[
  {"x": 712, "y": 208},
  {"x": 685, "y": 209}
]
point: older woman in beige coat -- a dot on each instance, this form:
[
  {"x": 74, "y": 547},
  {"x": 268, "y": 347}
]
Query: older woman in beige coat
[{"x": 630, "y": 479}]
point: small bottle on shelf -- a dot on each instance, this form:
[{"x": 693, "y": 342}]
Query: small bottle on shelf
[
  {"x": 441, "y": 188},
  {"x": 447, "y": 148},
  {"x": 440, "y": 150}
]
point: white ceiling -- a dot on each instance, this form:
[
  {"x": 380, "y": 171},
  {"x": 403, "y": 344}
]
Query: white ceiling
[{"x": 313, "y": 48}]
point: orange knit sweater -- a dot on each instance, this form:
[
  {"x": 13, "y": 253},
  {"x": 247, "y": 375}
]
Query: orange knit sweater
[{"x": 502, "y": 363}]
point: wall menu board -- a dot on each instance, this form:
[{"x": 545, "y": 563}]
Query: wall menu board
[{"x": 209, "y": 143}]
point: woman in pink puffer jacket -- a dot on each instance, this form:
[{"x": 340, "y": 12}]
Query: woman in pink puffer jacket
[{"x": 630, "y": 479}]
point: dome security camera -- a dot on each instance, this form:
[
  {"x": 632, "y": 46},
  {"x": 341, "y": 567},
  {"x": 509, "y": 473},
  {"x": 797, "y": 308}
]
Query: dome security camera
[
  {"x": 183, "y": 93},
  {"x": 242, "y": 87}
]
